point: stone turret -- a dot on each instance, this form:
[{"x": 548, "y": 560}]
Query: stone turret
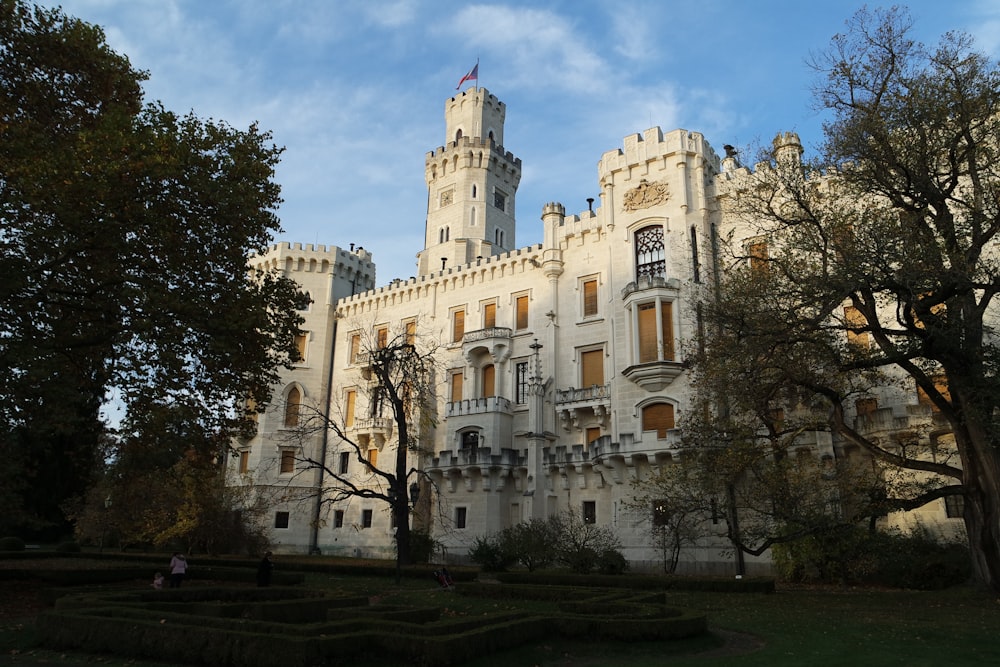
[{"x": 472, "y": 185}]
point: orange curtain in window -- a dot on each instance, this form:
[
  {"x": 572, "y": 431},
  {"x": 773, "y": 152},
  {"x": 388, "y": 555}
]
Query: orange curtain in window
[
  {"x": 456, "y": 387},
  {"x": 647, "y": 333},
  {"x": 592, "y": 368},
  {"x": 489, "y": 315},
  {"x": 589, "y": 298},
  {"x": 458, "y": 326},
  {"x": 489, "y": 381},
  {"x": 522, "y": 313},
  {"x": 667, "y": 324},
  {"x": 411, "y": 332},
  {"x": 292, "y": 404},
  {"x": 349, "y": 408},
  {"x": 658, "y": 417}
]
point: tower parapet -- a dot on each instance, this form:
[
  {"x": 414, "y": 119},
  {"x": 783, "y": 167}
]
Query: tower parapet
[{"x": 350, "y": 271}]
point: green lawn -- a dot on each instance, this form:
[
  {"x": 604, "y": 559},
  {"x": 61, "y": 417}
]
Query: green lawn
[{"x": 794, "y": 626}]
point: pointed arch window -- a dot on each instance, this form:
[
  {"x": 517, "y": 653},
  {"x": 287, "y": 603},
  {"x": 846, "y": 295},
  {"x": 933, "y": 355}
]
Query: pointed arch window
[
  {"x": 293, "y": 404},
  {"x": 650, "y": 257}
]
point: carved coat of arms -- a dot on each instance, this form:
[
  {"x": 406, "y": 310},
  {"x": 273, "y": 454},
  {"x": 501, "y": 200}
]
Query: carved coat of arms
[{"x": 645, "y": 195}]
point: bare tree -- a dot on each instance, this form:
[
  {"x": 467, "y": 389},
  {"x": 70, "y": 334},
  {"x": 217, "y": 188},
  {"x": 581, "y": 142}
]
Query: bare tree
[{"x": 398, "y": 375}]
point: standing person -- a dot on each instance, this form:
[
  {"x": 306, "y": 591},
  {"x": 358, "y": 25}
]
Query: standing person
[
  {"x": 178, "y": 566},
  {"x": 264, "y": 570}
]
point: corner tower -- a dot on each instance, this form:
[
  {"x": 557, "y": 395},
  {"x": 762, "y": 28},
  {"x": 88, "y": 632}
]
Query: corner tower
[{"x": 471, "y": 185}]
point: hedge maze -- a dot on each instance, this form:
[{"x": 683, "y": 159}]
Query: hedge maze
[{"x": 272, "y": 627}]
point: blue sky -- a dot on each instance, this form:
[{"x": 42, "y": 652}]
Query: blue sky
[{"x": 355, "y": 89}]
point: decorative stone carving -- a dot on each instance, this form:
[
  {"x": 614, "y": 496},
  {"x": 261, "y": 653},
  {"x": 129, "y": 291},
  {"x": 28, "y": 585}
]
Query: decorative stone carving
[{"x": 646, "y": 194}]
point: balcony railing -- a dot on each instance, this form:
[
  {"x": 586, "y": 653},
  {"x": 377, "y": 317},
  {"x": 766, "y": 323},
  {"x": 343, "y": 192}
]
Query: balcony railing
[
  {"x": 484, "y": 334},
  {"x": 479, "y": 406},
  {"x": 597, "y": 392}
]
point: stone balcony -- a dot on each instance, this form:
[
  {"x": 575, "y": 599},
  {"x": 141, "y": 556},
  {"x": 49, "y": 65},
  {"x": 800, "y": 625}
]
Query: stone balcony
[
  {"x": 478, "y": 406},
  {"x": 494, "y": 341},
  {"x": 573, "y": 403}
]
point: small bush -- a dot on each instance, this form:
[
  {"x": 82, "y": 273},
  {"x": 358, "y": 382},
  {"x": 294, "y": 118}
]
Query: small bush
[
  {"x": 612, "y": 561},
  {"x": 488, "y": 553},
  {"x": 421, "y": 546},
  {"x": 68, "y": 547},
  {"x": 11, "y": 544}
]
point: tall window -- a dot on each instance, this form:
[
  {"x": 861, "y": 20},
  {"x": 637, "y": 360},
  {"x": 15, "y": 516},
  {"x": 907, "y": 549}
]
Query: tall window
[
  {"x": 489, "y": 381},
  {"x": 301, "y": 342},
  {"x": 591, "y": 434},
  {"x": 287, "y": 461},
  {"x": 650, "y": 260},
  {"x": 521, "y": 382},
  {"x": 658, "y": 417},
  {"x": 499, "y": 200},
  {"x": 592, "y": 368},
  {"x": 457, "y": 325},
  {"x": 590, "y": 298},
  {"x": 757, "y": 250},
  {"x": 460, "y": 516},
  {"x": 954, "y": 507},
  {"x": 521, "y": 313},
  {"x": 656, "y": 334},
  {"x": 345, "y": 460},
  {"x": 281, "y": 519},
  {"x": 366, "y": 518},
  {"x": 695, "y": 264},
  {"x": 355, "y": 347},
  {"x": 489, "y": 315},
  {"x": 338, "y": 519},
  {"x": 456, "y": 386},
  {"x": 589, "y": 511},
  {"x": 244, "y": 462},
  {"x": 411, "y": 332},
  {"x": 350, "y": 399},
  {"x": 373, "y": 457},
  {"x": 855, "y": 321},
  {"x": 293, "y": 403},
  {"x": 381, "y": 337}
]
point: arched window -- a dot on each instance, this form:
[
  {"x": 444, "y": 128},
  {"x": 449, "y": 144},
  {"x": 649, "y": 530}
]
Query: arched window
[
  {"x": 696, "y": 265},
  {"x": 458, "y": 135},
  {"x": 292, "y": 404},
  {"x": 474, "y": 190},
  {"x": 658, "y": 417},
  {"x": 650, "y": 259}
]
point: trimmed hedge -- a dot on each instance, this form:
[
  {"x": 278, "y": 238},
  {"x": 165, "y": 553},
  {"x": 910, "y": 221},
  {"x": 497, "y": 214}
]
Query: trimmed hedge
[
  {"x": 640, "y": 582},
  {"x": 230, "y": 627}
]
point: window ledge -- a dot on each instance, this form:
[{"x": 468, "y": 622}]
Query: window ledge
[{"x": 654, "y": 375}]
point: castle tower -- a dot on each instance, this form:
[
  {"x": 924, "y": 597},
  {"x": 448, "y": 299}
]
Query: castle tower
[{"x": 471, "y": 185}]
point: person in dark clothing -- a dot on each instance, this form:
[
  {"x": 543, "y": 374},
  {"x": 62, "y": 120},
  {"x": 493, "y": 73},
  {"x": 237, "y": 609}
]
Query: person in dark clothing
[{"x": 264, "y": 570}]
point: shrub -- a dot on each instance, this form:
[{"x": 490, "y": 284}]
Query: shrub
[
  {"x": 532, "y": 544},
  {"x": 421, "y": 546},
  {"x": 612, "y": 561},
  {"x": 488, "y": 553},
  {"x": 581, "y": 544},
  {"x": 856, "y": 555},
  {"x": 11, "y": 544}
]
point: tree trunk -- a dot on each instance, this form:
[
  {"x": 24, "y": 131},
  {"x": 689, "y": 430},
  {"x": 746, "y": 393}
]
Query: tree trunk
[{"x": 982, "y": 513}]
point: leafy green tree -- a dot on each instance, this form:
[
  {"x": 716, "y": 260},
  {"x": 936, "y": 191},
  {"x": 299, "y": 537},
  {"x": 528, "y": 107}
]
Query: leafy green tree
[
  {"x": 879, "y": 277},
  {"x": 124, "y": 237}
]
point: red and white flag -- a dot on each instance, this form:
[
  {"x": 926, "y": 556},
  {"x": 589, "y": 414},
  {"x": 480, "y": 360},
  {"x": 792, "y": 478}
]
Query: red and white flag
[{"x": 473, "y": 75}]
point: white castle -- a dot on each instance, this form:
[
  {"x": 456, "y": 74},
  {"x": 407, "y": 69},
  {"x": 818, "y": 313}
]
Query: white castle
[{"x": 562, "y": 364}]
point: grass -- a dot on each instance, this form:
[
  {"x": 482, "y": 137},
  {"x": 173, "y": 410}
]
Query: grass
[{"x": 816, "y": 627}]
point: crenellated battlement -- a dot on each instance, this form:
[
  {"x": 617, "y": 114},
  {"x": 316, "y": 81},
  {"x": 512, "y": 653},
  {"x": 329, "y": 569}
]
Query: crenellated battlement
[
  {"x": 484, "y": 268},
  {"x": 465, "y": 144},
  {"x": 652, "y": 145},
  {"x": 307, "y": 257}
]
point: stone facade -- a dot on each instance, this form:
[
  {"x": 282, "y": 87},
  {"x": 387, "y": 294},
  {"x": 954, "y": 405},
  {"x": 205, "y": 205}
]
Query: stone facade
[{"x": 561, "y": 365}]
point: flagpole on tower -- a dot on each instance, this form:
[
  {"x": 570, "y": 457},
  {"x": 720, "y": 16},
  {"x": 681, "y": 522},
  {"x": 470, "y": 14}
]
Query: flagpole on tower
[{"x": 473, "y": 75}]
